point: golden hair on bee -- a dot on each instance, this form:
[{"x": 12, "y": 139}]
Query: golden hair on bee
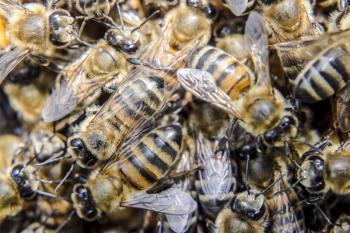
[{"x": 289, "y": 20}]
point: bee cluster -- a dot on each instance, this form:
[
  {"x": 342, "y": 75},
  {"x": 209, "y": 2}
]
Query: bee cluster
[{"x": 174, "y": 116}]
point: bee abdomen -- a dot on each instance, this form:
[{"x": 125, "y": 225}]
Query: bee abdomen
[
  {"x": 153, "y": 157},
  {"x": 230, "y": 75},
  {"x": 325, "y": 76}
]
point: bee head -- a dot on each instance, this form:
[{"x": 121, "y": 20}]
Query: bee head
[
  {"x": 63, "y": 28},
  {"x": 249, "y": 205},
  {"x": 311, "y": 174},
  {"x": 84, "y": 203},
  {"x": 129, "y": 45},
  {"x": 84, "y": 156},
  {"x": 286, "y": 129},
  {"x": 21, "y": 179}
]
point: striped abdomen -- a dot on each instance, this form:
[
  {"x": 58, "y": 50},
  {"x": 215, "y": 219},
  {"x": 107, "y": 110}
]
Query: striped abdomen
[
  {"x": 232, "y": 76},
  {"x": 287, "y": 216},
  {"x": 151, "y": 158},
  {"x": 138, "y": 101},
  {"x": 325, "y": 76}
]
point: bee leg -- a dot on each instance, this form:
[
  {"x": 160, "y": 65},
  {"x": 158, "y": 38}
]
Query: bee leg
[
  {"x": 147, "y": 222},
  {"x": 65, "y": 177}
]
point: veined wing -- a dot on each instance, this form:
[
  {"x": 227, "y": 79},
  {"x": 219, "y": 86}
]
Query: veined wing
[
  {"x": 201, "y": 84},
  {"x": 9, "y": 60},
  {"x": 170, "y": 201}
]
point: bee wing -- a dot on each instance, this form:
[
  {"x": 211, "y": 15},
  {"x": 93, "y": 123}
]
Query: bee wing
[
  {"x": 216, "y": 167},
  {"x": 343, "y": 110},
  {"x": 170, "y": 201},
  {"x": 60, "y": 103},
  {"x": 238, "y": 7},
  {"x": 256, "y": 39},
  {"x": 9, "y": 60},
  {"x": 178, "y": 223},
  {"x": 75, "y": 87},
  {"x": 201, "y": 84},
  {"x": 9, "y": 7}
]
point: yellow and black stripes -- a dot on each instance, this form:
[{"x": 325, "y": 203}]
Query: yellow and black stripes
[
  {"x": 229, "y": 74},
  {"x": 325, "y": 76},
  {"x": 152, "y": 157}
]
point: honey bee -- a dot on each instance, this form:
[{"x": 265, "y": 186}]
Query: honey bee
[
  {"x": 328, "y": 171},
  {"x": 163, "y": 6},
  {"x": 289, "y": 20},
  {"x": 133, "y": 180},
  {"x": 101, "y": 66},
  {"x": 287, "y": 216},
  {"x": 184, "y": 28},
  {"x": 215, "y": 183},
  {"x": 262, "y": 111},
  {"x": 248, "y": 212},
  {"x": 316, "y": 68},
  {"x": 18, "y": 186},
  {"x": 133, "y": 106},
  {"x": 33, "y": 30}
]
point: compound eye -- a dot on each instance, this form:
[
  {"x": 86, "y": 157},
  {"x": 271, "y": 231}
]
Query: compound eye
[
  {"x": 77, "y": 144},
  {"x": 210, "y": 11},
  {"x": 271, "y": 136},
  {"x": 286, "y": 122}
]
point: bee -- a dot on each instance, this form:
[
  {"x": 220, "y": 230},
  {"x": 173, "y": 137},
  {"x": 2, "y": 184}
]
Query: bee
[
  {"x": 316, "y": 68},
  {"x": 215, "y": 183},
  {"x": 328, "y": 171},
  {"x": 184, "y": 28},
  {"x": 262, "y": 111},
  {"x": 248, "y": 212},
  {"x": 180, "y": 223},
  {"x": 33, "y": 30},
  {"x": 133, "y": 107},
  {"x": 19, "y": 185},
  {"x": 133, "y": 180},
  {"x": 100, "y": 67},
  {"x": 287, "y": 216},
  {"x": 289, "y": 20}
]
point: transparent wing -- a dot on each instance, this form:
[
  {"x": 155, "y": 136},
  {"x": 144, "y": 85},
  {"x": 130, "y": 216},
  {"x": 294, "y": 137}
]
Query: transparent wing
[
  {"x": 202, "y": 85},
  {"x": 343, "y": 110},
  {"x": 256, "y": 39},
  {"x": 216, "y": 173},
  {"x": 75, "y": 87},
  {"x": 9, "y": 7},
  {"x": 178, "y": 223},
  {"x": 171, "y": 201},
  {"x": 60, "y": 103},
  {"x": 9, "y": 60},
  {"x": 238, "y": 7}
]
